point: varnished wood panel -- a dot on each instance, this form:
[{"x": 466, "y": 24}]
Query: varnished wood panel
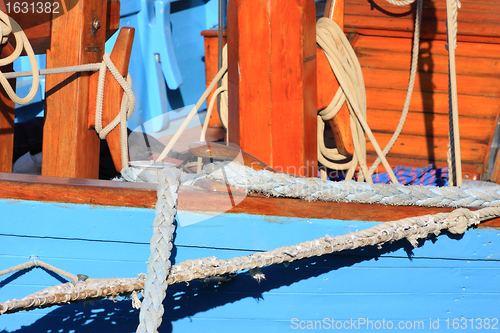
[
  {"x": 432, "y": 125},
  {"x": 211, "y": 60},
  {"x": 432, "y": 148},
  {"x": 70, "y": 148},
  {"x": 431, "y": 82},
  {"x": 7, "y": 116},
  {"x": 276, "y": 85},
  {"x": 434, "y": 102},
  {"x": 366, "y": 16},
  {"x": 39, "y": 34}
]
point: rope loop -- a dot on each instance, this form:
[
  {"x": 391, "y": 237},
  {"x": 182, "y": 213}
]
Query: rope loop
[
  {"x": 8, "y": 25},
  {"x": 126, "y": 108}
]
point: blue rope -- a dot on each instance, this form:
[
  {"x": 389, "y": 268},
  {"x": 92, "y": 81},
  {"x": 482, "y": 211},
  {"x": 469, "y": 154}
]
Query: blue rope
[{"x": 430, "y": 176}]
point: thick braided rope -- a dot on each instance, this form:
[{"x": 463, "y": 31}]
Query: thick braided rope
[
  {"x": 156, "y": 284},
  {"x": 412, "y": 229},
  {"x": 284, "y": 185}
]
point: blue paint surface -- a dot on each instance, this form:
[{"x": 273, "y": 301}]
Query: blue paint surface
[{"x": 446, "y": 277}]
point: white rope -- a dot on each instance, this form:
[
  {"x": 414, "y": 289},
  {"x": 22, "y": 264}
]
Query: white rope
[
  {"x": 411, "y": 83},
  {"x": 155, "y": 286},
  {"x": 348, "y": 72},
  {"x": 454, "y": 156},
  {"x": 126, "y": 108},
  {"x": 8, "y": 25},
  {"x": 38, "y": 263},
  {"x": 283, "y": 185},
  {"x": 191, "y": 114}
]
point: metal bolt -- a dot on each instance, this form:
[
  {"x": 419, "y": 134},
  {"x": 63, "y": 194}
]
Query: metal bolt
[{"x": 96, "y": 24}]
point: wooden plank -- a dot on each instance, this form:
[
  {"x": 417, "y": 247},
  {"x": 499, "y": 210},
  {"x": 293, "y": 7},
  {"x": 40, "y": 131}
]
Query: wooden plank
[
  {"x": 423, "y": 35},
  {"x": 436, "y": 47},
  {"x": 431, "y": 82},
  {"x": 432, "y": 125},
  {"x": 276, "y": 86},
  {"x": 473, "y": 65},
  {"x": 101, "y": 192},
  {"x": 211, "y": 60},
  {"x": 432, "y": 102},
  {"x": 433, "y": 20},
  {"x": 433, "y": 148},
  {"x": 7, "y": 116},
  {"x": 70, "y": 148}
]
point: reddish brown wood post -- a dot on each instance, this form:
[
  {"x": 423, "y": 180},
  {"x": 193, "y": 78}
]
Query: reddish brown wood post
[
  {"x": 7, "y": 115},
  {"x": 328, "y": 85},
  {"x": 70, "y": 148},
  {"x": 272, "y": 82}
]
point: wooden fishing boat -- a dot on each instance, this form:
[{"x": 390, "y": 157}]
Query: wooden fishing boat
[{"x": 102, "y": 229}]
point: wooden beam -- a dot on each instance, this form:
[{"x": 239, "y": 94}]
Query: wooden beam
[
  {"x": 272, "y": 82},
  {"x": 7, "y": 115},
  {"x": 142, "y": 195},
  {"x": 70, "y": 148}
]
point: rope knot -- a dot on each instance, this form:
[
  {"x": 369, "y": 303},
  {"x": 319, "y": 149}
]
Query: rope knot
[{"x": 460, "y": 219}]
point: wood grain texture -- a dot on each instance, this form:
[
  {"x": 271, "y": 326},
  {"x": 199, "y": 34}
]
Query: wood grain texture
[
  {"x": 70, "y": 148},
  {"x": 382, "y": 16},
  {"x": 7, "y": 116},
  {"x": 211, "y": 44},
  {"x": 433, "y": 148},
  {"x": 39, "y": 35},
  {"x": 142, "y": 195},
  {"x": 276, "y": 84}
]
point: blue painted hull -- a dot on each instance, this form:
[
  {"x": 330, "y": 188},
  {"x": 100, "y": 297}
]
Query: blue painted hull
[{"x": 447, "y": 277}]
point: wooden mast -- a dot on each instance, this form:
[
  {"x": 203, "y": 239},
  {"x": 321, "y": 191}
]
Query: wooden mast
[{"x": 272, "y": 82}]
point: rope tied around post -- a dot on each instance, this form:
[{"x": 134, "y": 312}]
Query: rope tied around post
[{"x": 126, "y": 108}]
